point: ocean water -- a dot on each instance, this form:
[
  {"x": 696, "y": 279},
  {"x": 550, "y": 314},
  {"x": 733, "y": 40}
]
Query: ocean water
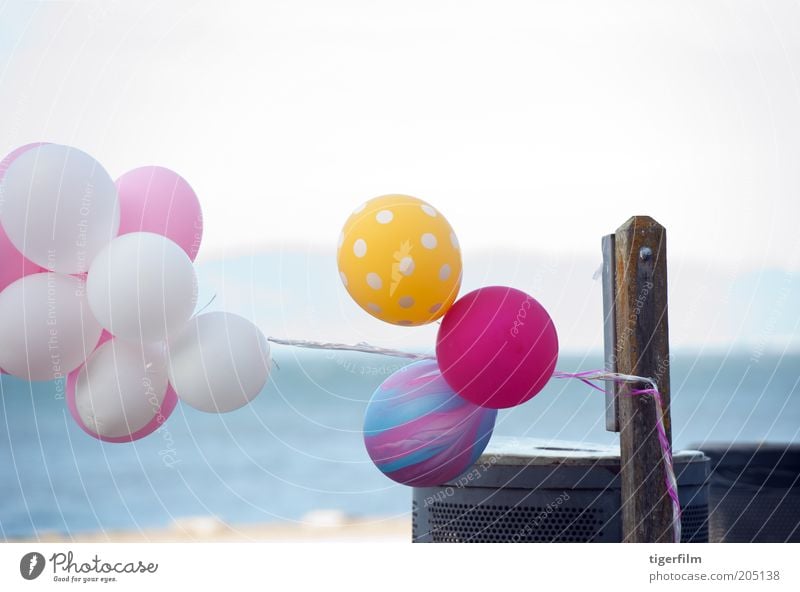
[{"x": 298, "y": 447}]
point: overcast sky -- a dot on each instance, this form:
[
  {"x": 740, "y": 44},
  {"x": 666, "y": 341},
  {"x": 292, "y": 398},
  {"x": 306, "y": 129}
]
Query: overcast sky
[
  {"x": 530, "y": 124},
  {"x": 534, "y": 126}
]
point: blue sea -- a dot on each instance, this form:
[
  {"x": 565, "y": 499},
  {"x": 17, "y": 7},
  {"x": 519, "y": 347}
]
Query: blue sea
[{"x": 298, "y": 447}]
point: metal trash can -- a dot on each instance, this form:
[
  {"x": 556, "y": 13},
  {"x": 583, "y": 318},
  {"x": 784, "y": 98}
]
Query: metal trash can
[
  {"x": 528, "y": 490},
  {"x": 754, "y": 493}
]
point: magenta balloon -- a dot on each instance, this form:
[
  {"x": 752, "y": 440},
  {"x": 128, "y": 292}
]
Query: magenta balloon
[
  {"x": 14, "y": 265},
  {"x": 158, "y": 200},
  {"x": 497, "y": 347},
  {"x": 163, "y": 413}
]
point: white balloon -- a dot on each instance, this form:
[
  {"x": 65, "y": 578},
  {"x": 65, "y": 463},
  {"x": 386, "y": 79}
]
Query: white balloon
[
  {"x": 46, "y": 327},
  {"x": 142, "y": 287},
  {"x": 59, "y": 207},
  {"x": 219, "y": 363},
  {"x": 121, "y": 387}
]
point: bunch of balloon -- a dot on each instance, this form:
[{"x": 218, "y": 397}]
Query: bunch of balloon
[
  {"x": 496, "y": 347},
  {"x": 100, "y": 288}
]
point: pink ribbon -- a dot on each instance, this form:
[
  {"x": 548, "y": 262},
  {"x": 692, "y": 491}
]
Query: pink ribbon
[{"x": 588, "y": 376}]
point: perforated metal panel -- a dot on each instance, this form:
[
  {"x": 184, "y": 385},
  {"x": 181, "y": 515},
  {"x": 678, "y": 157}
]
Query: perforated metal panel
[
  {"x": 754, "y": 492},
  {"x": 752, "y": 516},
  {"x": 462, "y": 523},
  {"x": 528, "y": 491},
  {"x": 694, "y": 524}
]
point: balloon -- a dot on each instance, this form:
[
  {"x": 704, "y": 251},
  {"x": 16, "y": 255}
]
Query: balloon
[
  {"x": 399, "y": 259},
  {"x": 12, "y": 156},
  {"x": 219, "y": 363},
  {"x": 419, "y": 432},
  {"x": 46, "y": 327},
  {"x": 155, "y": 199},
  {"x": 497, "y": 347},
  {"x": 121, "y": 393},
  {"x": 60, "y": 207},
  {"x": 142, "y": 287},
  {"x": 14, "y": 264}
]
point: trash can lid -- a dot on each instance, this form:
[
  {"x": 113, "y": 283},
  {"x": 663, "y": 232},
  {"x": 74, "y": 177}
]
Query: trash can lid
[
  {"x": 754, "y": 464},
  {"x": 781, "y": 455},
  {"x": 506, "y": 450}
]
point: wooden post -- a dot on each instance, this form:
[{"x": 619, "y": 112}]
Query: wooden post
[
  {"x": 610, "y": 330},
  {"x": 642, "y": 349}
]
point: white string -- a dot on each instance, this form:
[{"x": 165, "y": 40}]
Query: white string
[{"x": 358, "y": 347}]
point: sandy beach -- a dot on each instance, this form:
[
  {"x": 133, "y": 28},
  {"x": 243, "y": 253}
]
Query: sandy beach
[{"x": 323, "y": 527}]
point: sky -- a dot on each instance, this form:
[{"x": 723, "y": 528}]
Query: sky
[{"x": 535, "y": 127}]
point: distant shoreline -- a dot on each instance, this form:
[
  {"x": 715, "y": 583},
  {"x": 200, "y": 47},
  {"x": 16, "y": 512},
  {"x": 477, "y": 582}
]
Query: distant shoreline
[{"x": 322, "y": 528}]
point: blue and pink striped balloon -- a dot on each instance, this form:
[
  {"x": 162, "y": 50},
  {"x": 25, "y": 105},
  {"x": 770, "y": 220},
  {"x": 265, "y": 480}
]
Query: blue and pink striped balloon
[{"x": 419, "y": 432}]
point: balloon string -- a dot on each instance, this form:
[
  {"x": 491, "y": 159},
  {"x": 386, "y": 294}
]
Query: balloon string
[
  {"x": 206, "y": 305},
  {"x": 666, "y": 451},
  {"x": 588, "y": 377},
  {"x": 358, "y": 347}
]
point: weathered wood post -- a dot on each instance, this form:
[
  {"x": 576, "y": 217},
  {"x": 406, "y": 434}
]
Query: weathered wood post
[{"x": 637, "y": 342}]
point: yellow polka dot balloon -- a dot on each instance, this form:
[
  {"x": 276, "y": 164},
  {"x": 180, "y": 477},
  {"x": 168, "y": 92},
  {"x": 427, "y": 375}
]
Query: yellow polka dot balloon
[{"x": 399, "y": 259}]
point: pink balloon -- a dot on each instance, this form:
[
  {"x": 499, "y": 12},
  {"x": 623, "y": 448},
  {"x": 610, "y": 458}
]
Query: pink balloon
[
  {"x": 166, "y": 409},
  {"x": 158, "y": 200},
  {"x": 163, "y": 413},
  {"x": 497, "y": 347},
  {"x": 14, "y": 265}
]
